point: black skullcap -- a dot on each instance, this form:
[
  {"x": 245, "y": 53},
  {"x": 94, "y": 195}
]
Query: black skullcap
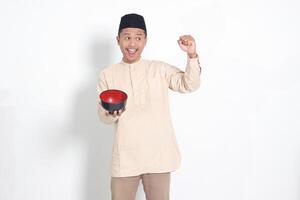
[{"x": 132, "y": 21}]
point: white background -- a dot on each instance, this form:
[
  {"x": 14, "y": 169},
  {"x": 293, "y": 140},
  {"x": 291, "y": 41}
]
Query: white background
[{"x": 239, "y": 134}]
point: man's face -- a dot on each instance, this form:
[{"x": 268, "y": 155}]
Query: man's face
[{"x": 132, "y": 42}]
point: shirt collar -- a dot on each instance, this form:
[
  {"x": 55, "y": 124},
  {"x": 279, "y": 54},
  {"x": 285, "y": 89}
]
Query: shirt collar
[{"x": 132, "y": 64}]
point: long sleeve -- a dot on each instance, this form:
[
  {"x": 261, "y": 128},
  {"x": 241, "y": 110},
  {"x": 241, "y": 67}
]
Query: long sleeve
[
  {"x": 183, "y": 81},
  {"x": 101, "y": 86}
]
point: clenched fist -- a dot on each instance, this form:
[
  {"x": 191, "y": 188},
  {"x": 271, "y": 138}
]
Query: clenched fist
[{"x": 187, "y": 44}]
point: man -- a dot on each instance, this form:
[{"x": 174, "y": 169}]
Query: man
[{"x": 145, "y": 145}]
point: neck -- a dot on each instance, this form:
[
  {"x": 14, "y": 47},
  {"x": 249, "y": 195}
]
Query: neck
[{"x": 131, "y": 62}]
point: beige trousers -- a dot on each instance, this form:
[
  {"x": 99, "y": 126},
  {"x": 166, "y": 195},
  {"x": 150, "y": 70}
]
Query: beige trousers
[{"x": 156, "y": 186}]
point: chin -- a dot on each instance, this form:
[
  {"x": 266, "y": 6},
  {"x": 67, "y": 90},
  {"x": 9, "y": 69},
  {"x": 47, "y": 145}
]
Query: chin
[{"x": 132, "y": 59}]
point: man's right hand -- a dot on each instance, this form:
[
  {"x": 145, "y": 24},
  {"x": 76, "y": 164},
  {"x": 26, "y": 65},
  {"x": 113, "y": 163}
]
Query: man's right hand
[{"x": 115, "y": 113}]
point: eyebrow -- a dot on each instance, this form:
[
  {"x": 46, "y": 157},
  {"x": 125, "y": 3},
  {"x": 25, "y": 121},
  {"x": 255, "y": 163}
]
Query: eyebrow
[{"x": 129, "y": 33}]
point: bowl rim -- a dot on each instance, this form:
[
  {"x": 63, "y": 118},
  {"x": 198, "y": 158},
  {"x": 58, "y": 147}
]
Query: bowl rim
[{"x": 113, "y": 90}]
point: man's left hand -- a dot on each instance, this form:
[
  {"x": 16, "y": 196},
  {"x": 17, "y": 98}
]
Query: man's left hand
[{"x": 187, "y": 44}]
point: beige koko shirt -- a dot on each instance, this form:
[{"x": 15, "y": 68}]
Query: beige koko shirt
[{"x": 144, "y": 139}]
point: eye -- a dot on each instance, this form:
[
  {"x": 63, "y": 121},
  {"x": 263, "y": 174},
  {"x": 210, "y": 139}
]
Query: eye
[
  {"x": 127, "y": 38},
  {"x": 138, "y": 38}
]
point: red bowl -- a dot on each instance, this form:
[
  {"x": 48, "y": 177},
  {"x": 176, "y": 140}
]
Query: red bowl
[{"x": 113, "y": 100}]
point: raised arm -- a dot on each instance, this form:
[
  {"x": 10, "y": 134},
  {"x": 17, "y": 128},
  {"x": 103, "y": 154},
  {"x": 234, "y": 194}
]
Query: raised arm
[{"x": 188, "y": 80}]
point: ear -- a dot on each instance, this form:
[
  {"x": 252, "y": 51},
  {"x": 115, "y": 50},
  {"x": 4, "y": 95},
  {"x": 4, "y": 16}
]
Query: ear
[{"x": 118, "y": 40}]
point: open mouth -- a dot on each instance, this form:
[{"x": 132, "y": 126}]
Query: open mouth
[{"x": 131, "y": 51}]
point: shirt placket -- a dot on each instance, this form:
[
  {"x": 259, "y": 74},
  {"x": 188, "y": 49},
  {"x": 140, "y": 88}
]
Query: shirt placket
[{"x": 131, "y": 75}]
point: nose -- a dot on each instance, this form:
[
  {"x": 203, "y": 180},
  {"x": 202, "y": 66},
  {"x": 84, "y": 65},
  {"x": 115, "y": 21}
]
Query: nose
[{"x": 132, "y": 42}]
